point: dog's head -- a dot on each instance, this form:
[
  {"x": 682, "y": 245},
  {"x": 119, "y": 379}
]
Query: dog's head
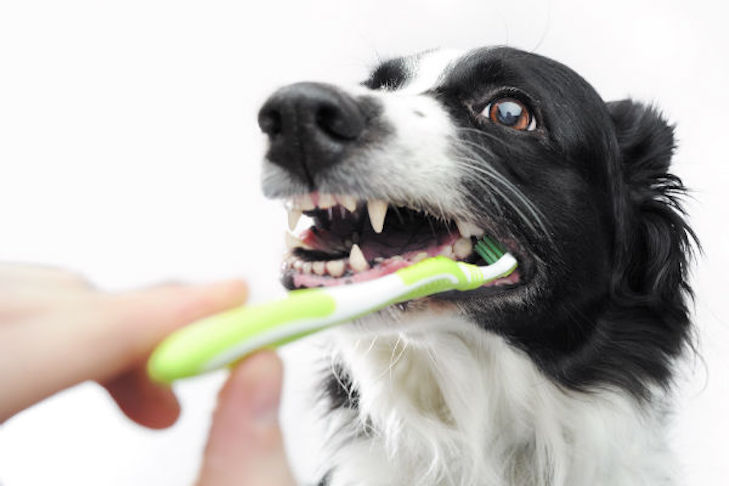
[{"x": 435, "y": 149}]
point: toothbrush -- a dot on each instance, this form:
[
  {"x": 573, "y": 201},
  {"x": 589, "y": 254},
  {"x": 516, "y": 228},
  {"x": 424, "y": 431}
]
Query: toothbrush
[{"x": 223, "y": 339}]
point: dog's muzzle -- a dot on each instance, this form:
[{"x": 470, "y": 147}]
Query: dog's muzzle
[{"x": 310, "y": 126}]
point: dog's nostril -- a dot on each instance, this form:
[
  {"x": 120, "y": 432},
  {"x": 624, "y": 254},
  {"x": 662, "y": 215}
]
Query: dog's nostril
[
  {"x": 270, "y": 122},
  {"x": 337, "y": 124}
]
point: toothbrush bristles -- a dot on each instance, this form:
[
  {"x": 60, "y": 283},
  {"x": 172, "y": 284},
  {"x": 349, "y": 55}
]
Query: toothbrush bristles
[{"x": 489, "y": 249}]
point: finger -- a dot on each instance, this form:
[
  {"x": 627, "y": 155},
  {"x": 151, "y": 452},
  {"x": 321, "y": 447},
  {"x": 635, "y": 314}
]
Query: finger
[
  {"x": 139, "y": 321},
  {"x": 147, "y": 403},
  {"x": 98, "y": 337},
  {"x": 15, "y": 274},
  {"x": 245, "y": 444},
  {"x": 26, "y": 290}
]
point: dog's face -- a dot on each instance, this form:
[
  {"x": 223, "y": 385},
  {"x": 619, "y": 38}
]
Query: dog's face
[{"x": 435, "y": 149}]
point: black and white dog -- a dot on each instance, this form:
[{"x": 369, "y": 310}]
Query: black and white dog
[{"x": 556, "y": 375}]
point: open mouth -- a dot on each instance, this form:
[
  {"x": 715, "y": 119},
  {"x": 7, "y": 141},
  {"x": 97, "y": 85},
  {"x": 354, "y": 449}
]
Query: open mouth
[{"x": 353, "y": 240}]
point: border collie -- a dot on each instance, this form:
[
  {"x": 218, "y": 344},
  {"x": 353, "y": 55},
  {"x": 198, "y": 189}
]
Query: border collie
[{"x": 557, "y": 375}]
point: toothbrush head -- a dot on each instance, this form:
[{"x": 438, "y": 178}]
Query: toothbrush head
[{"x": 490, "y": 250}]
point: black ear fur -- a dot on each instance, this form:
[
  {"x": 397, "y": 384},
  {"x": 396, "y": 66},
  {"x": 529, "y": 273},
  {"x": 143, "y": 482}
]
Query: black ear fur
[
  {"x": 656, "y": 241},
  {"x": 654, "y": 245}
]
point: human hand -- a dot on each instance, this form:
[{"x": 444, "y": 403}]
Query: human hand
[{"x": 57, "y": 331}]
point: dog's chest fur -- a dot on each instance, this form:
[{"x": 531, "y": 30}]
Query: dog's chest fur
[{"x": 456, "y": 406}]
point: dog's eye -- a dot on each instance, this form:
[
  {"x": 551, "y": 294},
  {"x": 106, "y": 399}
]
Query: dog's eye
[{"x": 511, "y": 113}]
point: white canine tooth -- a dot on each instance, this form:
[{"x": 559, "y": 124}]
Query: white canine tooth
[
  {"x": 319, "y": 268},
  {"x": 335, "y": 268},
  {"x": 357, "y": 260},
  {"x": 462, "y": 248},
  {"x": 326, "y": 201},
  {"x": 469, "y": 229},
  {"x": 306, "y": 267},
  {"x": 348, "y": 202},
  {"x": 294, "y": 216},
  {"x": 420, "y": 256},
  {"x": 294, "y": 242},
  {"x": 377, "y": 210},
  {"x": 305, "y": 203},
  {"x": 298, "y": 265},
  {"x": 447, "y": 251}
]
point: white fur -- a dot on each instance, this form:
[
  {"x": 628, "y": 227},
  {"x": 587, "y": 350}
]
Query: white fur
[
  {"x": 428, "y": 69},
  {"x": 444, "y": 403},
  {"x": 420, "y": 147}
]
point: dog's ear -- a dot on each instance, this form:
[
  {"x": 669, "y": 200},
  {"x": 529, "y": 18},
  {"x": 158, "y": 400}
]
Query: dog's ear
[{"x": 653, "y": 239}]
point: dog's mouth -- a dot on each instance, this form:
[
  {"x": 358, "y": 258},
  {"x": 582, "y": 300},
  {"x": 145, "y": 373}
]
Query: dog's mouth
[{"x": 353, "y": 240}]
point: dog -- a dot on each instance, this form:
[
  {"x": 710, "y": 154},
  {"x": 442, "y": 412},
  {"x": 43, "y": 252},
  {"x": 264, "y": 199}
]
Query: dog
[{"x": 560, "y": 373}]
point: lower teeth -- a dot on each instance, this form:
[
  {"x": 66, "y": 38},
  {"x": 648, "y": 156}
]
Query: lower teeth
[{"x": 356, "y": 263}]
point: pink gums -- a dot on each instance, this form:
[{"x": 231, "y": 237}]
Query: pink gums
[{"x": 386, "y": 267}]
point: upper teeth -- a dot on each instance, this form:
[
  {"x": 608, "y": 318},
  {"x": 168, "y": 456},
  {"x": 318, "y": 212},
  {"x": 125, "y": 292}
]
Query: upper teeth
[
  {"x": 294, "y": 216},
  {"x": 349, "y": 202},
  {"x": 469, "y": 229},
  {"x": 377, "y": 210},
  {"x": 294, "y": 242},
  {"x": 326, "y": 201}
]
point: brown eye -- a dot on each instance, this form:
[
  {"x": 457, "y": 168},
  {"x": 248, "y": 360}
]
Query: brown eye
[{"x": 511, "y": 113}]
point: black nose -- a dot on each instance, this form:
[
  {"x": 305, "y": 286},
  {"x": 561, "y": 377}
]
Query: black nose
[{"x": 310, "y": 127}]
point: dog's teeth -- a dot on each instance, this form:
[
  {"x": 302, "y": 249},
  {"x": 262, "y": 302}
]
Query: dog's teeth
[
  {"x": 377, "y": 210},
  {"x": 420, "y": 256},
  {"x": 447, "y": 251},
  {"x": 326, "y": 201},
  {"x": 335, "y": 268},
  {"x": 462, "y": 248},
  {"x": 298, "y": 265},
  {"x": 294, "y": 216},
  {"x": 319, "y": 268},
  {"x": 304, "y": 202},
  {"x": 469, "y": 229},
  {"x": 306, "y": 267},
  {"x": 348, "y": 202},
  {"x": 294, "y": 242},
  {"x": 357, "y": 260}
]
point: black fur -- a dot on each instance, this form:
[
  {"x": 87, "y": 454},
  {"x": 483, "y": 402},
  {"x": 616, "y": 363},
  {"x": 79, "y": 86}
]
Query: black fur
[
  {"x": 604, "y": 292},
  {"x": 606, "y": 297}
]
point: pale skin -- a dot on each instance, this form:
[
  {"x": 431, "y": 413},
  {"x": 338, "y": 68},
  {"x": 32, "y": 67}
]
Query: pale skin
[{"x": 57, "y": 331}]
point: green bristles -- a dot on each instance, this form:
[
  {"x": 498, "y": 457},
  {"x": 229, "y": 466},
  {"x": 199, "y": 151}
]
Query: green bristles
[{"x": 489, "y": 249}]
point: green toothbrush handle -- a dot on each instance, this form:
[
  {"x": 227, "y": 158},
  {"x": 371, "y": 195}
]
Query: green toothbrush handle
[
  {"x": 221, "y": 339},
  {"x": 224, "y": 338}
]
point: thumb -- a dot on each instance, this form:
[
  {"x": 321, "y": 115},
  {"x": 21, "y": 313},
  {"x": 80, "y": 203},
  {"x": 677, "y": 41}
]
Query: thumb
[{"x": 245, "y": 444}]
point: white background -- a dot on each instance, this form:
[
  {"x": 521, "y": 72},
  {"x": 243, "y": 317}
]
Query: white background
[{"x": 129, "y": 151}]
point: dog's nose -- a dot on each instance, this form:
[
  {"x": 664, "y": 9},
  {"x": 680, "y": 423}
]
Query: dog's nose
[{"x": 310, "y": 126}]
